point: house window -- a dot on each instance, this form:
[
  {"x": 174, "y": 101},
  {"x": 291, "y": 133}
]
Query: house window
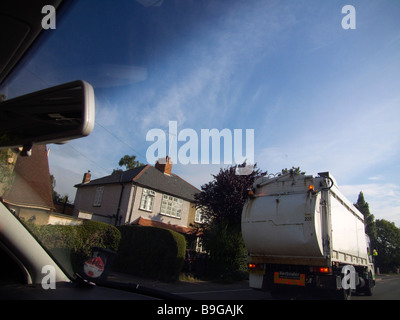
[
  {"x": 199, "y": 216},
  {"x": 98, "y": 197},
  {"x": 171, "y": 206},
  {"x": 147, "y": 200}
]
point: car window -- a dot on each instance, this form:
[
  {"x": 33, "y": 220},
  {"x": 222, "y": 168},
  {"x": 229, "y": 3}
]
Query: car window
[{"x": 184, "y": 88}]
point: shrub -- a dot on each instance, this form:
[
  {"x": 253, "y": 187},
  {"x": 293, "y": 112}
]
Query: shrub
[
  {"x": 228, "y": 254},
  {"x": 97, "y": 234},
  {"x": 72, "y": 244},
  {"x": 151, "y": 252}
]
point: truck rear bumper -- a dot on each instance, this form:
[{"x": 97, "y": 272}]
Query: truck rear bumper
[{"x": 290, "y": 276}]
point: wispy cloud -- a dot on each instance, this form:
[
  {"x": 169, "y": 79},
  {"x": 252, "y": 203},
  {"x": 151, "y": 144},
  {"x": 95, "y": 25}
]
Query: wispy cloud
[
  {"x": 383, "y": 199},
  {"x": 376, "y": 178},
  {"x": 216, "y": 68}
]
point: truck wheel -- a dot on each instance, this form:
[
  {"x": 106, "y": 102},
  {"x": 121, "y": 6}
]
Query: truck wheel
[{"x": 369, "y": 284}]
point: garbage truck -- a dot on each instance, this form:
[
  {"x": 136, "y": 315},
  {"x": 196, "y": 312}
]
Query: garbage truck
[{"x": 301, "y": 233}]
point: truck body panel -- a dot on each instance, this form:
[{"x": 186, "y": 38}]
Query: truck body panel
[
  {"x": 296, "y": 226},
  {"x": 283, "y": 225},
  {"x": 349, "y": 242}
]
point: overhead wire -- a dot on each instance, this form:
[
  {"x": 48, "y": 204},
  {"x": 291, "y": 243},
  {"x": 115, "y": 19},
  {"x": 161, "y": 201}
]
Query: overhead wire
[
  {"x": 120, "y": 140},
  {"x": 97, "y": 123},
  {"x": 86, "y": 157}
]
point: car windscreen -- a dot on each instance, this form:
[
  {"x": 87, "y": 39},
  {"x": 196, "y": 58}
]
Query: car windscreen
[{"x": 184, "y": 89}]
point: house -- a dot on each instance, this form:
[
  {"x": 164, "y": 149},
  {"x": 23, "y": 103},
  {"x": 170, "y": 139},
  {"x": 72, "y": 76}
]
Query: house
[
  {"x": 28, "y": 191},
  {"x": 30, "y": 194},
  {"x": 146, "y": 195}
]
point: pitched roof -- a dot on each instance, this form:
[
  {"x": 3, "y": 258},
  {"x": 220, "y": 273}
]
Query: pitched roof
[
  {"x": 32, "y": 185},
  {"x": 152, "y": 178}
]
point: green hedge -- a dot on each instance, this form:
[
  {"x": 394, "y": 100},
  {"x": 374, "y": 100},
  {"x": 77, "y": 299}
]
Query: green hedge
[
  {"x": 151, "y": 252},
  {"x": 228, "y": 254},
  {"x": 71, "y": 244}
]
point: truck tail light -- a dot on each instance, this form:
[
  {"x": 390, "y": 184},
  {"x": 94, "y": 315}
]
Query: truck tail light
[
  {"x": 325, "y": 270},
  {"x": 255, "y": 267}
]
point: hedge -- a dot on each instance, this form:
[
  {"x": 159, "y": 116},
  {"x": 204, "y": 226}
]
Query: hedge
[
  {"x": 228, "y": 254},
  {"x": 150, "y": 252},
  {"x": 72, "y": 244}
]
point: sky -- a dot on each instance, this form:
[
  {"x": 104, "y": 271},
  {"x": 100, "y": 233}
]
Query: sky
[{"x": 315, "y": 95}]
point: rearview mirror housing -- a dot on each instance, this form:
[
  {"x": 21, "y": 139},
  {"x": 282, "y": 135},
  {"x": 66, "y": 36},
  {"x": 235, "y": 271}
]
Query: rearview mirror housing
[{"x": 52, "y": 115}]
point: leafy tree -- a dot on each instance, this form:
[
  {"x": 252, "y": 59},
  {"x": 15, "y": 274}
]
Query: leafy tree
[
  {"x": 129, "y": 162},
  {"x": 221, "y": 202},
  {"x": 387, "y": 245},
  {"x": 55, "y": 195},
  {"x": 293, "y": 170},
  {"x": 369, "y": 218},
  {"x": 222, "y": 199}
]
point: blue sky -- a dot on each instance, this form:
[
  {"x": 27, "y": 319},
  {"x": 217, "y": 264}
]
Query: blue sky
[{"x": 317, "y": 96}]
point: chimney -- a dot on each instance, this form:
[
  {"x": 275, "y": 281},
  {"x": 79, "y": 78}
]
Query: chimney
[
  {"x": 86, "y": 177},
  {"x": 164, "y": 165}
]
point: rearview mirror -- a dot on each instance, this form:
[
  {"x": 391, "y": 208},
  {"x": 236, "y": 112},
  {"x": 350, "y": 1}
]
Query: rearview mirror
[{"x": 53, "y": 115}]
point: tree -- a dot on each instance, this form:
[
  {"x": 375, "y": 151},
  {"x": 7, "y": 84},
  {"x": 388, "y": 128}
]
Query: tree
[
  {"x": 222, "y": 199},
  {"x": 369, "y": 218},
  {"x": 387, "y": 245},
  {"x": 293, "y": 170},
  {"x": 55, "y": 195},
  {"x": 129, "y": 162},
  {"x": 221, "y": 202}
]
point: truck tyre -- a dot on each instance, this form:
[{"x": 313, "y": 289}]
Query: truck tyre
[{"x": 369, "y": 284}]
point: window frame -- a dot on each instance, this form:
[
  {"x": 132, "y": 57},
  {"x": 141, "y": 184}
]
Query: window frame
[
  {"x": 198, "y": 217},
  {"x": 147, "y": 200},
  {"x": 171, "y": 206},
  {"x": 98, "y": 197}
]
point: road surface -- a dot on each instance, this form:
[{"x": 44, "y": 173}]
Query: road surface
[{"x": 387, "y": 288}]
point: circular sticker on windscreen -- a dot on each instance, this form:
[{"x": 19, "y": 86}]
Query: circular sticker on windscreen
[{"x": 94, "y": 267}]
